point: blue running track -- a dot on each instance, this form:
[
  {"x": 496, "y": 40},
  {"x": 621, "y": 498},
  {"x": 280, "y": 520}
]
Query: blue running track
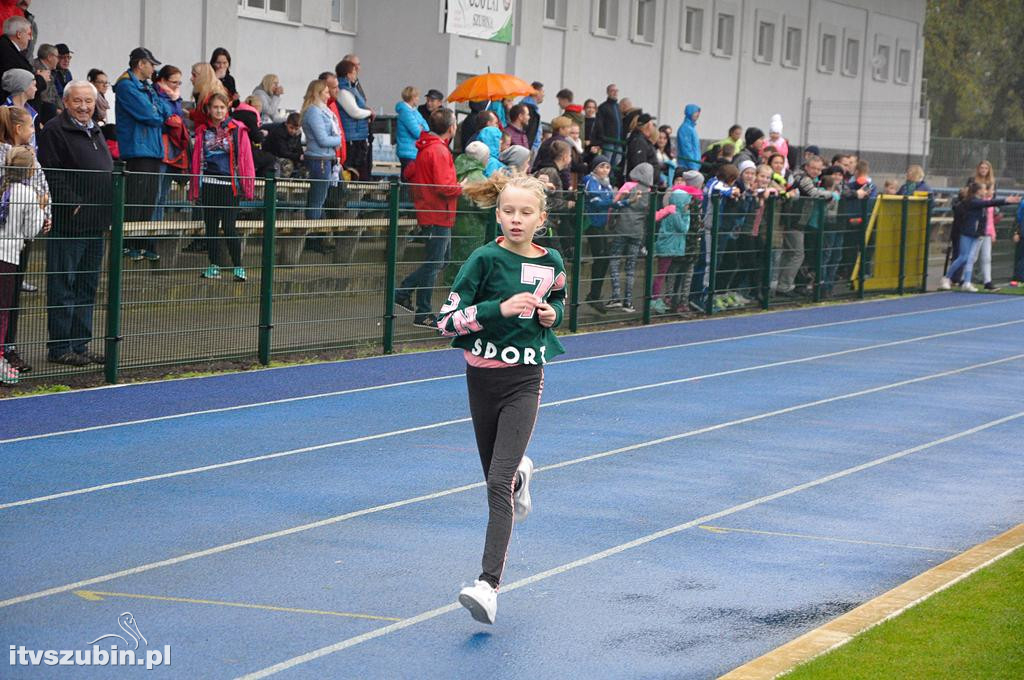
[{"x": 705, "y": 491}]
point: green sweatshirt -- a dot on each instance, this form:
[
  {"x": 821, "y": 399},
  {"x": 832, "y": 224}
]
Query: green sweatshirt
[{"x": 491, "y": 275}]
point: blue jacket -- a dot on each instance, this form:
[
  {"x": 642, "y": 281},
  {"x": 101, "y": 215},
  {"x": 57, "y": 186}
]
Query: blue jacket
[
  {"x": 1020, "y": 218},
  {"x": 410, "y": 124},
  {"x": 688, "y": 141},
  {"x": 599, "y": 201},
  {"x": 141, "y": 113},
  {"x": 498, "y": 107},
  {"x": 672, "y": 230},
  {"x": 321, "y": 142},
  {"x": 491, "y": 136},
  {"x": 974, "y": 222},
  {"x": 356, "y": 130}
]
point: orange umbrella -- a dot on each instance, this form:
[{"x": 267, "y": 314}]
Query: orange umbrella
[{"x": 491, "y": 86}]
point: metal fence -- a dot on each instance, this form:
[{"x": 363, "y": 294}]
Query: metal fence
[
  {"x": 125, "y": 282},
  {"x": 957, "y": 158}
]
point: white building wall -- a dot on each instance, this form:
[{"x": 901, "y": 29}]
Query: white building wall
[{"x": 401, "y": 42}]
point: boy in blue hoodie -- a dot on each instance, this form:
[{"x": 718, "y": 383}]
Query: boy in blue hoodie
[
  {"x": 600, "y": 197},
  {"x": 687, "y": 139}
]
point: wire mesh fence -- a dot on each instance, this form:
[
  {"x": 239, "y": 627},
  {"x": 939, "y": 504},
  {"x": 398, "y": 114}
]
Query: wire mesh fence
[{"x": 152, "y": 270}]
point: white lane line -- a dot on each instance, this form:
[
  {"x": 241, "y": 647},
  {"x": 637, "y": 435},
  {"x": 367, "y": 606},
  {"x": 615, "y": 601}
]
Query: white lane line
[
  {"x": 447, "y": 492},
  {"x": 615, "y": 550},
  {"x": 456, "y": 421},
  {"x": 356, "y": 390},
  {"x": 828, "y": 539}
]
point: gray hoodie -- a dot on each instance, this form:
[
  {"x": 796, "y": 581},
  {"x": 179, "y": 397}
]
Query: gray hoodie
[{"x": 631, "y": 219}]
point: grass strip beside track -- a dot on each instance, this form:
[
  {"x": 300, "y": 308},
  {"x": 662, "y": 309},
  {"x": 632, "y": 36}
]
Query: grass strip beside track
[{"x": 974, "y": 629}]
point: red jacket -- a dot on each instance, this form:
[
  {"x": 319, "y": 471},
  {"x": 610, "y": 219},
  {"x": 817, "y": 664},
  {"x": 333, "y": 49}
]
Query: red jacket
[
  {"x": 239, "y": 158},
  {"x": 435, "y": 204}
]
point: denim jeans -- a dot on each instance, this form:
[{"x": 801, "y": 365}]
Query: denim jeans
[
  {"x": 72, "y": 276},
  {"x": 832, "y": 254},
  {"x": 966, "y": 257},
  {"x": 439, "y": 241},
  {"x": 625, "y": 248},
  {"x": 162, "y": 193},
  {"x": 320, "y": 174}
]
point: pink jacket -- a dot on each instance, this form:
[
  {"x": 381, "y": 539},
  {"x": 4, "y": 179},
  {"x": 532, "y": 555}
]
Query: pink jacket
[{"x": 243, "y": 171}]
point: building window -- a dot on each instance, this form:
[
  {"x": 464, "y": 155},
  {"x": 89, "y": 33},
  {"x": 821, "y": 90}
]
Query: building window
[
  {"x": 902, "y": 75},
  {"x": 764, "y": 47},
  {"x": 343, "y": 15},
  {"x": 270, "y": 9},
  {"x": 880, "y": 64},
  {"x": 555, "y": 13},
  {"x": 851, "y": 57},
  {"x": 725, "y": 25},
  {"x": 606, "y": 18},
  {"x": 792, "y": 50},
  {"x": 691, "y": 33},
  {"x": 827, "y": 53},
  {"x": 644, "y": 12}
]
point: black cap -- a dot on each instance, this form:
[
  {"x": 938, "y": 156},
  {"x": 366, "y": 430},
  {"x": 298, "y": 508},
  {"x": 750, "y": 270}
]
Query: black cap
[
  {"x": 435, "y": 94},
  {"x": 644, "y": 119},
  {"x": 813, "y": 149},
  {"x": 63, "y": 49},
  {"x": 752, "y": 135},
  {"x": 142, "y": 53}
]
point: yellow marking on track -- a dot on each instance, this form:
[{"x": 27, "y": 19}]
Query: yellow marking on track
[
  {"x": 730, "y": 530},
  {"x": 97, "y": 595},
  {"x": 841, "y": 630}
]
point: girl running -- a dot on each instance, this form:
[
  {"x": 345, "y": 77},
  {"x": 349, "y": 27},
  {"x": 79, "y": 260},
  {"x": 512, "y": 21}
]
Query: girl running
[{"x": 504, "y": 303}]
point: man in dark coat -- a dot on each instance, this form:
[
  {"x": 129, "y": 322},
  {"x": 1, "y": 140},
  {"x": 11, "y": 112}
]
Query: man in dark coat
[
  {"x": 640, "y": 146},
  {"x": 71, "y": 142},
  {"x": 13, "y": 43}
]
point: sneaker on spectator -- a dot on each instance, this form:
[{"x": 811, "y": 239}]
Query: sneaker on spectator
[
  {"x": 481, "y": 600},
  {"x": 92, "y": 357},
  {"x": 211, "y": 272},
  {"x": 1014, "y": 283},
  {"x": 628, "y": 307},
  {"x": 945, "y": 283},
  {"x": 69, "y": 359},
  {"x": 135, "y": 255},
  {"x": 428, "y": 321},
  {"x": 969, "y": 287},
  {"x": 613, "y": 304},
  {"x": 598, "y": 306},
  {"x": 741, "y": 299},
  {"x": 405, "y": 302},
  {"x": 27, "y": 287},
  {"x": 991, "y": 286},
  {"x": 8, "y": 373},
  {"x": 15, "y": 360},
  {"x": 151, "y": 256},
  {"x": 238, "y": 273},
  {"x": 659, "y": 307}
]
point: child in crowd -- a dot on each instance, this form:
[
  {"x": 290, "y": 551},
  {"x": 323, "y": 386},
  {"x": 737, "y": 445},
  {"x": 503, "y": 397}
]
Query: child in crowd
[
  {"x": 628, "y": 227},
  {"x": 670, "y": 247},
  {"x": 891, "y": 187},
  {"x": 987, "y": 238},
  {"x": 678, "y": 287},
  {"x": 736, "y": 255},
  {"x": 223, "y": 166},
  {"x": 600, "y": 195},
  {"x": 22, "y": 215},
  {"x": 16, "y": 129},
  {"x": 971, "y": 232},
  {"x": 505, "y": 301}
]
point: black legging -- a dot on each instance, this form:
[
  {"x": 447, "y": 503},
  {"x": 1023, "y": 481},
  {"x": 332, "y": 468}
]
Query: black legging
[
  {"x": 503, "y": 403},
  {"x": 599, "y": 242},
  {"x": 220, "y": 208},
  {"x": 11, "y": 337}
]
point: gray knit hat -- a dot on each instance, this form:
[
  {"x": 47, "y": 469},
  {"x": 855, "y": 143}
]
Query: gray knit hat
[
  {"x": 692, "y": 178},
  {"x": 17, "y": 80},
  {"x": 514, "y": 156}
]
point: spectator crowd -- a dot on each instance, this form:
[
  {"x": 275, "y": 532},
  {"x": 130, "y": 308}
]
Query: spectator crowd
[{"x": 614, "y": 154}]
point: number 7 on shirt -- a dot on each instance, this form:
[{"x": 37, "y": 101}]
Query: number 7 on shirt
[{"x": 543, "y": 276}]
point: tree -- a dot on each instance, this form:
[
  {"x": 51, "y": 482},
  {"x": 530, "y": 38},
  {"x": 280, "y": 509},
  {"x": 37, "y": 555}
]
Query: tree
[{"x": 974, "y": 65}]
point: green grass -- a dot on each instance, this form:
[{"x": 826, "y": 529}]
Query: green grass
[{"x": 974, "y": 629}]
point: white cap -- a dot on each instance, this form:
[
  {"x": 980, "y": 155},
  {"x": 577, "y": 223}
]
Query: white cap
[
  {"x": 776, "y": 124},
  {"x": 746, "y": 163}
]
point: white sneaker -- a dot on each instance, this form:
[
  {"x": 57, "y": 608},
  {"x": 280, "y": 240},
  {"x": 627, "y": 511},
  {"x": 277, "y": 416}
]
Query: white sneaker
[
  {"x": 945, "y": 283},
  {"x": 481, "y": 600},
  {"x": 969, "y": 287},
  {"x": 523, "y": 504}
]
